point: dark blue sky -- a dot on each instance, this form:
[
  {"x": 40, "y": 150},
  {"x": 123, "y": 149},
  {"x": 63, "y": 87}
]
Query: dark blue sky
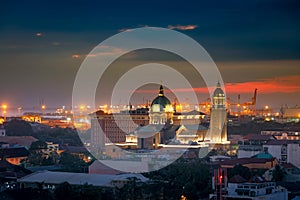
[{"x": 35, "y": 68}]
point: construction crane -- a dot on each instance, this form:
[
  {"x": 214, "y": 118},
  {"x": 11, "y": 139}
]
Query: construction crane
[{"x": 246, "y": 108}]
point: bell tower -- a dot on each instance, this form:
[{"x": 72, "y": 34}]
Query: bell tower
[{"x": 218, "y": 117}]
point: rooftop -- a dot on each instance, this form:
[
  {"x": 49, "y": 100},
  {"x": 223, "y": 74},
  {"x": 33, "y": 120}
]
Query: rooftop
[
  {"x": 253, "y": 136},
  {"x": 14, "y": 152},
  {"x": 281, "y": 142},
  {"x": 243, "y": 161},
  {"x": 21, "y": 140},
  {"x": 101, "y": 180}
]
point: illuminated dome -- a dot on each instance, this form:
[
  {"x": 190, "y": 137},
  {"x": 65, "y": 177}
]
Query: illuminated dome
[
  {"x": 218, "y": 91},
  {"x": 161, "y": 100}
]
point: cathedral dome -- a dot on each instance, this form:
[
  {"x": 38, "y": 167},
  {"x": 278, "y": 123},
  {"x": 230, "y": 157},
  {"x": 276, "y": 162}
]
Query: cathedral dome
[
  {"x": 161, "y": 100},
  {"x": 218, "y": 91}
]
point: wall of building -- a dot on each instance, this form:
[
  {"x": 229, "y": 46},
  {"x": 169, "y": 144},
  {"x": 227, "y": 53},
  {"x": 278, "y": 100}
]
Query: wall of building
[{"x": 292, "y": 153}]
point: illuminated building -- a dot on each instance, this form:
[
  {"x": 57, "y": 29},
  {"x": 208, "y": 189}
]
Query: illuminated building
[
  {"x": 283, "y": 134},
  {"x": 161, "y": 110},
  {"x": 160, "y": 126},
  {"x": 112, "y": 128},
  {"x": 192, "y": 117},
  {"x": 162, "y": 130},
  {"x": 291, "y": 114},
  {"x": 53, "y": 120},
  {"x": 218, "y": 118},
  {"x": 32, "y": 118}
]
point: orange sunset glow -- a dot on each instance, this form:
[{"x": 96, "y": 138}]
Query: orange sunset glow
[{"x": 286, "y": 84}]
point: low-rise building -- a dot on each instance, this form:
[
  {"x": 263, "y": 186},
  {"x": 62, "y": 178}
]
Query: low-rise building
[
  {"x": 256, "y": 191},
  {"x": 251, "y": 163},
  {"x": 286, "y": 151},
  {"x": 2, "y": 130},
  {"x": 238, "y": 188},
  {"x": 252, "y": 144},
  {"x": 50, "y": 179},
  {"x": 281, "y": 134},
  {"x": 14, "y": 155},
  {"x": 24, "y": 141}
]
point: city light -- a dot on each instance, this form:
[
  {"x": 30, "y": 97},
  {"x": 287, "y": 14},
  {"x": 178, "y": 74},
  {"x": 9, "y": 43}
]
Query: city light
[{"x": 82, "y": 107}]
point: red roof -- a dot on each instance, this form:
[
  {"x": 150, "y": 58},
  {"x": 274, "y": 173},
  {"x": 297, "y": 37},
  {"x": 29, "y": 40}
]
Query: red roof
[
  {"x": 243, "y": 161},
  {"x": 253, "y": 136},
  {"x": 281, "y": 142},
  {"x": 98, "y": 167}
]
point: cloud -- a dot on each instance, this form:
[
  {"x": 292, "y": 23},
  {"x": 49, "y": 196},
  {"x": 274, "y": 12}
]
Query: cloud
[
  {"x": 183, "y": 27},
  {"x": 284, "y": 84},
  {"x": 107, "y": 51},
  {"x": 172, "y": 27},
  {"x": 125, "y": 29},
  {"x": 130, "y": 29}
]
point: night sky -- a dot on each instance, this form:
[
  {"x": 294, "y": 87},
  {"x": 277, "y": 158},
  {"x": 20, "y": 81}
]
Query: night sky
[{"x": 255, "y": 44}]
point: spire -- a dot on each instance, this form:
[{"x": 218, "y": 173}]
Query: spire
[
  {"x": 218, "y": 84},
  {"x": 161, "y": 91}
]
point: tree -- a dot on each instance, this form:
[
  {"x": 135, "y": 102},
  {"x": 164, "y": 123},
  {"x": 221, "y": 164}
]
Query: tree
[
  {"x": 18, "y": 128},
  {"x": 37, "y": 155},
  {"x": 240, "y": 170},
  {"x": 183, "y": 178},
  {"x": 72, "y": 163},
  {"x": 63, "y": 191},
  {"x": 277, "y": 173}
]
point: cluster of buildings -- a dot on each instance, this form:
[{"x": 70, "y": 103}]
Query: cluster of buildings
[
  {"x": 143, "y": 139},
  {"x": 263, "y": 154},
  {"x": 160, "y": 119},
  {"x": 148, "y": 130}
]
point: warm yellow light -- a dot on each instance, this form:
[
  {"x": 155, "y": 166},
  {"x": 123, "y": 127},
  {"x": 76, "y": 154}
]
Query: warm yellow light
[
  {"x": 299, "y": 115},
  {"x": 82, "y": 107},
  {"x": 43, "y": 107},
  {"x": 266, "y": 107},
  {"x": 4, "y": 106},
  {"x": 169, "y": 108}
]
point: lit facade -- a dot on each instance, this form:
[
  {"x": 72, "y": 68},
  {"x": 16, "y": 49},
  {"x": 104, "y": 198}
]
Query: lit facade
[
  {"x": 218, "y": 118},
  {"x": 161, "y": 110},
  {"x": 112, "y": 128}
]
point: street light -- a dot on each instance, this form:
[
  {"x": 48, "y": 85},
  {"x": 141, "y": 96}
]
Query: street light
[
  {"x": 43, "y": 109},
  {"x": 4, "y": 107}
]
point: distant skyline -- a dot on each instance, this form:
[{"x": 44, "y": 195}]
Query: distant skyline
[{"x": 255, "y": 44}]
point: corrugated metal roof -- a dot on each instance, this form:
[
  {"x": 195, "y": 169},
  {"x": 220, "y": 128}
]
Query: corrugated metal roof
[{"x": 102, "y": 180}]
